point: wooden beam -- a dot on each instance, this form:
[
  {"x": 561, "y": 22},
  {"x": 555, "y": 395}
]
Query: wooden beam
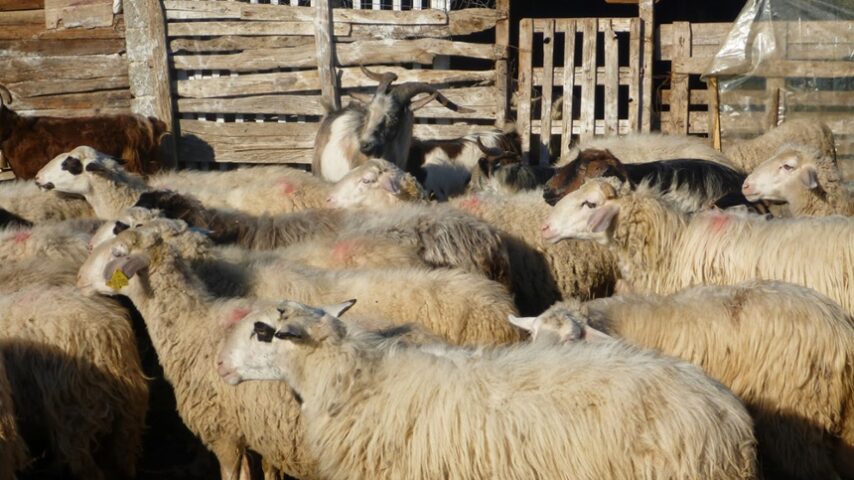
[
  {"x": 635, "y": 48},
  {"x": 11, "y": 5},
  {"x": 78, "y": 13},
  {"x": 678, "y": 124},
  {"x": 197, "y": 29},
  {"x": 568, "y": 87},
  {"x": 325, "y": 46},
  {"x": 502, "y": 72},
  {"x": 646, "y": 12},
  {"x": 525, "y": 81},
  {"x": 148, "y": 68},
  {"x": 548, "y": 84},
  {"x": 611, "y": 90},
  {"x": 460, "y": 23},
  {"x": 588, "y": 79}
]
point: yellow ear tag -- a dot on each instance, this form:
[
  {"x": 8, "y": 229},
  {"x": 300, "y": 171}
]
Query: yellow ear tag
[{"x": 118, "y": 280}]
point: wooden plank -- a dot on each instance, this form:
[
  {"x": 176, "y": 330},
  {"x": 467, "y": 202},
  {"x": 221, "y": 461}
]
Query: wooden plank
[
  {"x": 568, "y": 86},
  {"x": 78, "y": 13},
  {"x": 56, "y": 48},
  {"x": 714, "y": 112},
  {"x": 148, "y": 67},
  {"x": 235, "y": 43},
  {"x": 479, "y": 99},
  {"x": 612, "y": 65},
  {"x": 199, "y": 10},
  {"x": 678, "y": 124},
  {"x": 75, "y": 112},
  {"x": 577, "y": 125},
  {"x": 325, "y": 57},
  {"x": 292, "y": 135},
  {"x": 617, "y": 24},
  {"x": 588, "y": 77},
  {"x": 20, "y": 32},
  {"x": 523, "y": 115},
  {"x": 307, "y": 80},
  {"x": 460, "y": 23},
  {"x": 117, "y": 30},
  {"x": 111, "y": 99},
  {"x": 368, "y": 52},
  {"x": 646, "y": 13},
  {"x": 24, "y": 68},
  {"x": 624, "y": 75},
  {"x": 22, "y": 17},
  {"x": 502, "y": 71},
  {"x": 635, "y": 40},
  {"x": 11, "y": 5},
  {"x": 439, "y": 132},
  {"x": 196, "y": 29},
  {"x": 548, "y": 84},
  {"x": 54, "y": 86}
]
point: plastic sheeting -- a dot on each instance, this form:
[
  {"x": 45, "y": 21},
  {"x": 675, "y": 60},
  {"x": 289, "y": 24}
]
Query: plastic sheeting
[{"x": 786, "y": 59}]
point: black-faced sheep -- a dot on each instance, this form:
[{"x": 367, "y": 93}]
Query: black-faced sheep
[{"x": 515, "y": 412}]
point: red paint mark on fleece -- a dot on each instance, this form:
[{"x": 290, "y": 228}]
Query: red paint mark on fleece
[
  {"x": 22, "y": 236},
  {"x": 286, "y": 188},
  {"x": 470, "y": 204},
  {"x": 235, "y": 316},
  {"x": 343, "y": 250},
  {"x": 719, "y": 222}
]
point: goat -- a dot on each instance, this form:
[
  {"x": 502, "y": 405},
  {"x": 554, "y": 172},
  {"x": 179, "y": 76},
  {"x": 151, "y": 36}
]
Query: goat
[
  {"x": 381, "y": 128},
  {"x": 692, "y": 184},
  {"x": 504, "y": 172},
  {"x": 28, "y": 143}
]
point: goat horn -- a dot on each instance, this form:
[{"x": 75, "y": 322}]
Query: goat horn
[
  {"x": 5, "y": 95},
  {"x": 405, "y": 91},
  {"x": 385, "y": 78},
  {"x": 482, "y": 147}
]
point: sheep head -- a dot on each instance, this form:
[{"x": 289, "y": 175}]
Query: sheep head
[
  {"x": 786, "y": 176},
  {"x": 590, "y": 163},
  {"x": 70, "y": 172},
  {"x": 491, "y": 160},
  {"x": 564, "y": 322},
  {"x": 585, "y": 214},
  {"x": 375, "y": 184},
  {"x": 387, "y": 128},
  {"x": 267, "y": 343},
  {"x": 115, "y": 266}
]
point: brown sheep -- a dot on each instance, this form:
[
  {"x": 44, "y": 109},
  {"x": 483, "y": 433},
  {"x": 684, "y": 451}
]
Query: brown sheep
[{"x": 28, "y": 143}]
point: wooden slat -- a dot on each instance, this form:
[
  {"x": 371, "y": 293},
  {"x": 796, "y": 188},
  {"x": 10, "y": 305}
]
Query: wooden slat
[
  {"x": 235, "y": 43},
  {"x": 197, "y": 29},
  {"x": 588, "y": 78},
  {"x": 625, "y": 75},
  {"x": 679, "y": 82},
  {"x": 294, "y": 135},
  {"x": 612, "y": 65},
  {"x": 194, "y": 9},
  {"x": 568, "y": 86},
  {"x": 75, "y": 112},
  {"x": 577, "y": 125},
  {"x": 646, "y": 13},
  {"x": 460, "y": 23},
  {"x": 78, "y": 13},
  {"x": 20, "y": 32},
  {"x": 57, "y": 48},
  {"x": 369, "y": 52},
  {"x": 111, "y": 99},
  {"x": 502, "y": 71},
  {"x": 117, "y": 30},
  {"x": 634, "y": 72},
  {"x": 54, "y": 86},
  {"x": 618, "y": 24},
  {"x": 548, "y": 83},
  {"x": 23, "y": 68},
  {"x": 307, "y": 80},
  {"x": 11, "y": 5},
  {"x": 325, "y": 56},
  {"x": 22, "y": 17},
  {"x": 526, "y": 42},
  {"x": 447, "y": 131}
]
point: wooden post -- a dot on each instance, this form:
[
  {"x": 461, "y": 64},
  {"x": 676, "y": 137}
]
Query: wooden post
[
  {"x": 679, "y": 94},
  {"x": 715, "y": 113},
  {"x": 525, "y": 81},
  {"x": 148, "y": 68},
  {"x": 548, "y": 84},
  {"x": 568, "y": 87},
  {"x": 325, "y": 44},
  {"x": 502, "y": 72},
  {"x": 646, "y": 12},
  {"x": 587, "y": 122}
]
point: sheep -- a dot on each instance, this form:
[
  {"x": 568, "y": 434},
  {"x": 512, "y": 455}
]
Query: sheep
[
  {"x": 186, "y": 325},
  {"x": 24, "y": 199},
  {"x": 748, "y": 154},
  {"x": 13, "y": 452},
  {"x": 380, "y": 129},
  {"x": 540, "y": 275},
  {"x": 28, "y": 143},
  {"x": 445, "y": 167},
  {"x": 444, "y": 237},
  {"x": 650, "y": 147},
  {"x": 659, "y": 249},
  {"x": 66, "y": 240},
  {"x": 506, "y": 412},
  {"x": 689, "y": 183},
  {"x": 750, "y": 336},
  {"x": 805, "y": 178},
  {"x": 76, "y": 378},
  {"x": 103, "y": 181}
]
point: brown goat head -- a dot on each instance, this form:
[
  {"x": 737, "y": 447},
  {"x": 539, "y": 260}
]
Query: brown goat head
[
  {"x": 590, "y": 163},
  {"x": 491, "y": 159}
]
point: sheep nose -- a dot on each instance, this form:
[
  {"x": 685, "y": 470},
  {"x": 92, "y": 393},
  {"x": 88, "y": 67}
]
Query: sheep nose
[
  {"x": 746, "y": 188},
  {"x": 46, "y": 186}
]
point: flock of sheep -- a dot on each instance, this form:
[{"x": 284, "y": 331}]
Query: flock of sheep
[{"x": 439, "y": 309}]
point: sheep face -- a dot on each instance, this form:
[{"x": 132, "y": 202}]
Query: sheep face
[
  {"x": 69, "y": 172},
  {"x": 562, "y": 323},
  {"x": 268, "y": 344},
  {"x": 586, "y": 214},
  {"x": 134, "y": 217},
  {"x": 376, "y": 184},
  {"x": 783, "y": 177}
]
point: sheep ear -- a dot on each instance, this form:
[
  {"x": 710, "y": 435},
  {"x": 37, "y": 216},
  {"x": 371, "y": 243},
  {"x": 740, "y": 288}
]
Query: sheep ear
[
  {"x": 602, "y": 217},
  {"x": 97, "y": 168},
  {"x": 390, "y": 183},
  {"x": 339, "y": 308},
  {"x": 120, "y": 270},
  {"x": 809, "y": 177},
  {"x": 593, "y": 335},
  {"x": 525, "y": 323}
]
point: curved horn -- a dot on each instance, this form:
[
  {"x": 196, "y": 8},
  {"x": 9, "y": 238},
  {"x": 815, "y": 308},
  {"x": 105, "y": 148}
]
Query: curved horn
[
  {"x": 385, "y": 79},
  {"x": 405, "y": 91},
  {"x": 5, "y": 95},
  {"x": 482, "y": 147}
]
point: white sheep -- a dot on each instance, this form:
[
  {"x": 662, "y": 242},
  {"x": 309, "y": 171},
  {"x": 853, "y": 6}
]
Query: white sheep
[
  {"x": 186, "y": 324},
  {"x": 662, "y": 250},
  {"x": 804, "y": 177},
  {"x": 585, "y": 411},
  {"x": 650, "y": 147},
  {"x": 764, "y": 340},
  {"x": 66, "y": 240},
  {"x": 13, "y": 451},
  {"x": 747, "y": 154},
  {"x": 540, "y": 273},
  {"x": 76, "y": 378},
  {"x": 25, "y": 200},
  {"x": 109, "y": 188}
]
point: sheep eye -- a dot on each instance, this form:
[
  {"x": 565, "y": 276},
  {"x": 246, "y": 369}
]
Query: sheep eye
[
  {"x": 588, "y": 204},
  {"x": 287, "y": 335},
  {"x": 120, "y": 227},
  {"x": 263, "y": 332},
  {"x": 788, "y": 167},
  {"x": 368, "y": 180}
]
